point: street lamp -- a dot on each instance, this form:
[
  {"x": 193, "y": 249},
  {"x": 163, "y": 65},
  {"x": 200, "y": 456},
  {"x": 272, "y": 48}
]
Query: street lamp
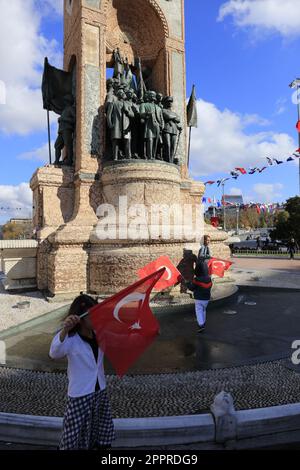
[
  {"x": 296, "y": 85},
  {"x": 224, "y": 213},
  {"x": 237, "y": 219}
]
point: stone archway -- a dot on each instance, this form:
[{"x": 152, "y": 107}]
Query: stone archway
[{"x": 139, "y": 29}]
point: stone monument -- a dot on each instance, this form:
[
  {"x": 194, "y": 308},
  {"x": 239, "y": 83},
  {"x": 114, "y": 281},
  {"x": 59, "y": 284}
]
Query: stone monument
[{"x": 127, "y": 62}]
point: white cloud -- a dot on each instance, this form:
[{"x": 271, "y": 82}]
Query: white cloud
[
  {"x": 40, "y": 154},
  {"x": 22, "y": 52},
  {"x": 222, "y": 142},
  {"x": 235, "y": 192},
  {"x": 280, "y": 106},
  {"x": 264, "y": 16},
  {"x": 57, "y": 5},
  {"x": 15, "y": 201},
  {"x": 268, "y": 192}
]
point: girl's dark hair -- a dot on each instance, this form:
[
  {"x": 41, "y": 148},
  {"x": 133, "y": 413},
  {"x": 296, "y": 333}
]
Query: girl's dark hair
[
  {"x": 201, "y": 269},
  {"x": 79, "y": 306}
]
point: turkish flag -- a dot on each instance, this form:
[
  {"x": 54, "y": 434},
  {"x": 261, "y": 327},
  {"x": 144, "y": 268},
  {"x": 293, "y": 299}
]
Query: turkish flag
[
  {"x": 242, "y": 170},
  {"x": 171, "y": 276},
  {"x": 125, "y": 325},
  {"x": 215, "y": 221},
  {"x": 218, "y": 266},
  {"x": 298, "y": 126}
]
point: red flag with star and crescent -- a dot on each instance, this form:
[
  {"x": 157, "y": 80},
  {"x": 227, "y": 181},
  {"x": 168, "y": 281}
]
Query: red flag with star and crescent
[
  {"x": 125, "y": 325},
  {"x": 218, "y": 266},
  {"x": 170, "y": 277}
]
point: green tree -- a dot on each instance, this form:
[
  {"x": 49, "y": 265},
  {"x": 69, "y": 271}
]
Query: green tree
[
  {"x": 287, "y": 222},
  {"x": 14, "y": 231}
]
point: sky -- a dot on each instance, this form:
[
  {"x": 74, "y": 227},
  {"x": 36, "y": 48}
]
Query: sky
[{"x": 240, "y": 54}]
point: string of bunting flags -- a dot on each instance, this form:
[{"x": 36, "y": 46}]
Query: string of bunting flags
[
  {"x": 260, "y": 207},
  {"x": 11, "y": 208},
  {"x": 239, "y": 171}
]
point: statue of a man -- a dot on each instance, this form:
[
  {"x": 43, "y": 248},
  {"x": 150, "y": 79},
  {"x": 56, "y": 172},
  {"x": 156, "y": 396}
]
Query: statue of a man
[
  {"x": 119, "y": 122},
  {"x": 172, "y": 130},
  {"x": 119, "y": 65},
  {"x": 152, "y": 119},
  {"x": 127, "y": 77},
  {"x": 66, "y": 128},
  {"x": 135, "y": 122}
]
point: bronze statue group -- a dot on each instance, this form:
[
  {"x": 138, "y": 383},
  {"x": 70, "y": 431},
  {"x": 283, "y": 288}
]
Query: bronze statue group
[{"x": 141, "y": 124}]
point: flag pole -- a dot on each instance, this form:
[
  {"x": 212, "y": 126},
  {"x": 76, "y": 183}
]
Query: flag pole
[
  {"x": 49, "y": 137},
  {"x": 224, "y": 211},
  {"x": 298, "y": 108},
  {"x": 189, "y": 151}
]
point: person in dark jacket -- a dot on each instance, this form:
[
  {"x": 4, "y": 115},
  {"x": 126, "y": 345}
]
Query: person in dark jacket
[
  {"x": 201, "y": 287},
  {"x": 204, "y": 251},
  {"x": 292, "y": 248}
]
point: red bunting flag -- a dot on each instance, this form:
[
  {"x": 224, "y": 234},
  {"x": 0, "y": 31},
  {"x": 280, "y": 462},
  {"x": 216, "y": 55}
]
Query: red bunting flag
[
  {"x": 170, "y": 277},
  {"x": 258, "y": 209},
  {"x": 125, "y": 325},
  {"x": 218, "y": 266},
  {"x": 298, "y": 126},
  {"x": 242, "y": 170},
  {"x": 209, "y": 182}
]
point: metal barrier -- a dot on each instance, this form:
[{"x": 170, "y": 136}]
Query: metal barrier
[{"x": 263, "y": 253}]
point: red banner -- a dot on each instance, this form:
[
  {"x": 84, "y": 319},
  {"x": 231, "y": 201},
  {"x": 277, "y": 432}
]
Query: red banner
[
  {"x": 170, "y": 277},
  {"x": 218, "y": 266},
  {"x": 125, "y": 325}
]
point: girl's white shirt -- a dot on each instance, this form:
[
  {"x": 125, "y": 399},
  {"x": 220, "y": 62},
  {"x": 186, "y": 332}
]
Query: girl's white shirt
[{"x": 83, "y": 370}]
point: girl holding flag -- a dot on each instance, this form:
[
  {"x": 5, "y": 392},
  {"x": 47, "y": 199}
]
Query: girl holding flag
[{"x": 87, "y": 422}]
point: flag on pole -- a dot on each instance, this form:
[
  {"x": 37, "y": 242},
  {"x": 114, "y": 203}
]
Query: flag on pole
[
  {"x": 192, "y": 115},
  {"x": 56, "y": 85},
  {"x": 170, "y": 277},
  {"x": 125, "y": 325},
  {"x": 218, "y": 266},
  {"x": 298, "y": 126}
]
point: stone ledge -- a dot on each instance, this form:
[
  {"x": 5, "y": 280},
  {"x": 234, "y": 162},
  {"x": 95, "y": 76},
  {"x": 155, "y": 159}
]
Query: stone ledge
[{"x": 260, "y": 427}]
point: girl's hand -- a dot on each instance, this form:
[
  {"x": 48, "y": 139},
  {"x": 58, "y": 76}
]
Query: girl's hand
[{"x": 70, "y": 323}]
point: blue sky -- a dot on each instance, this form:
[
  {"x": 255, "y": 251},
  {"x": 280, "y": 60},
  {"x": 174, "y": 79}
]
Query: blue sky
[{"x": 241, "y": 54}]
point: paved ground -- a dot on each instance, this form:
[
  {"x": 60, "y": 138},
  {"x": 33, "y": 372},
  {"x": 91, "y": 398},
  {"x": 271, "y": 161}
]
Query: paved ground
[
  {"x": 284, "y": 264},
  {"x": 182, "y": 371},
  {"x": 274, "y": 273},
  {"x": 11, "y": 315}
]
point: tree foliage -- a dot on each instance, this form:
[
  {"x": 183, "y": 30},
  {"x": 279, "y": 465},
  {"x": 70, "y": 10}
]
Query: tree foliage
[
  {"x": 13, "y": 231},
  {"x": 287, "y": 222}
]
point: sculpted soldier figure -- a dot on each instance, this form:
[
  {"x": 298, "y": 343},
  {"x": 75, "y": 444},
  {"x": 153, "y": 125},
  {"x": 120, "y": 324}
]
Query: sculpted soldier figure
[
  {"x": 118, "y": 120},
  {"x": 153, "y": 121},
  {"x": 135, "y": 122},
  {"x": 159, "y": 100},
  {"x": 119, "y": 65},
  {"x": 159, "y": 105},
  {"x": 172, "y": 130},
  {"x": 110, "y": 97},
  {"x": 66, "y": 128}
]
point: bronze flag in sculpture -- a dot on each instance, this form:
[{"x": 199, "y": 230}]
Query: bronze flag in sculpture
[{"x": 56, "y": 85}]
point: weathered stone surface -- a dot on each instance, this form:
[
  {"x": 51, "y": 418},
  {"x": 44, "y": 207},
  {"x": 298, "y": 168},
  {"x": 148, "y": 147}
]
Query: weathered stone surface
[{"x": 71, "y": 256}]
